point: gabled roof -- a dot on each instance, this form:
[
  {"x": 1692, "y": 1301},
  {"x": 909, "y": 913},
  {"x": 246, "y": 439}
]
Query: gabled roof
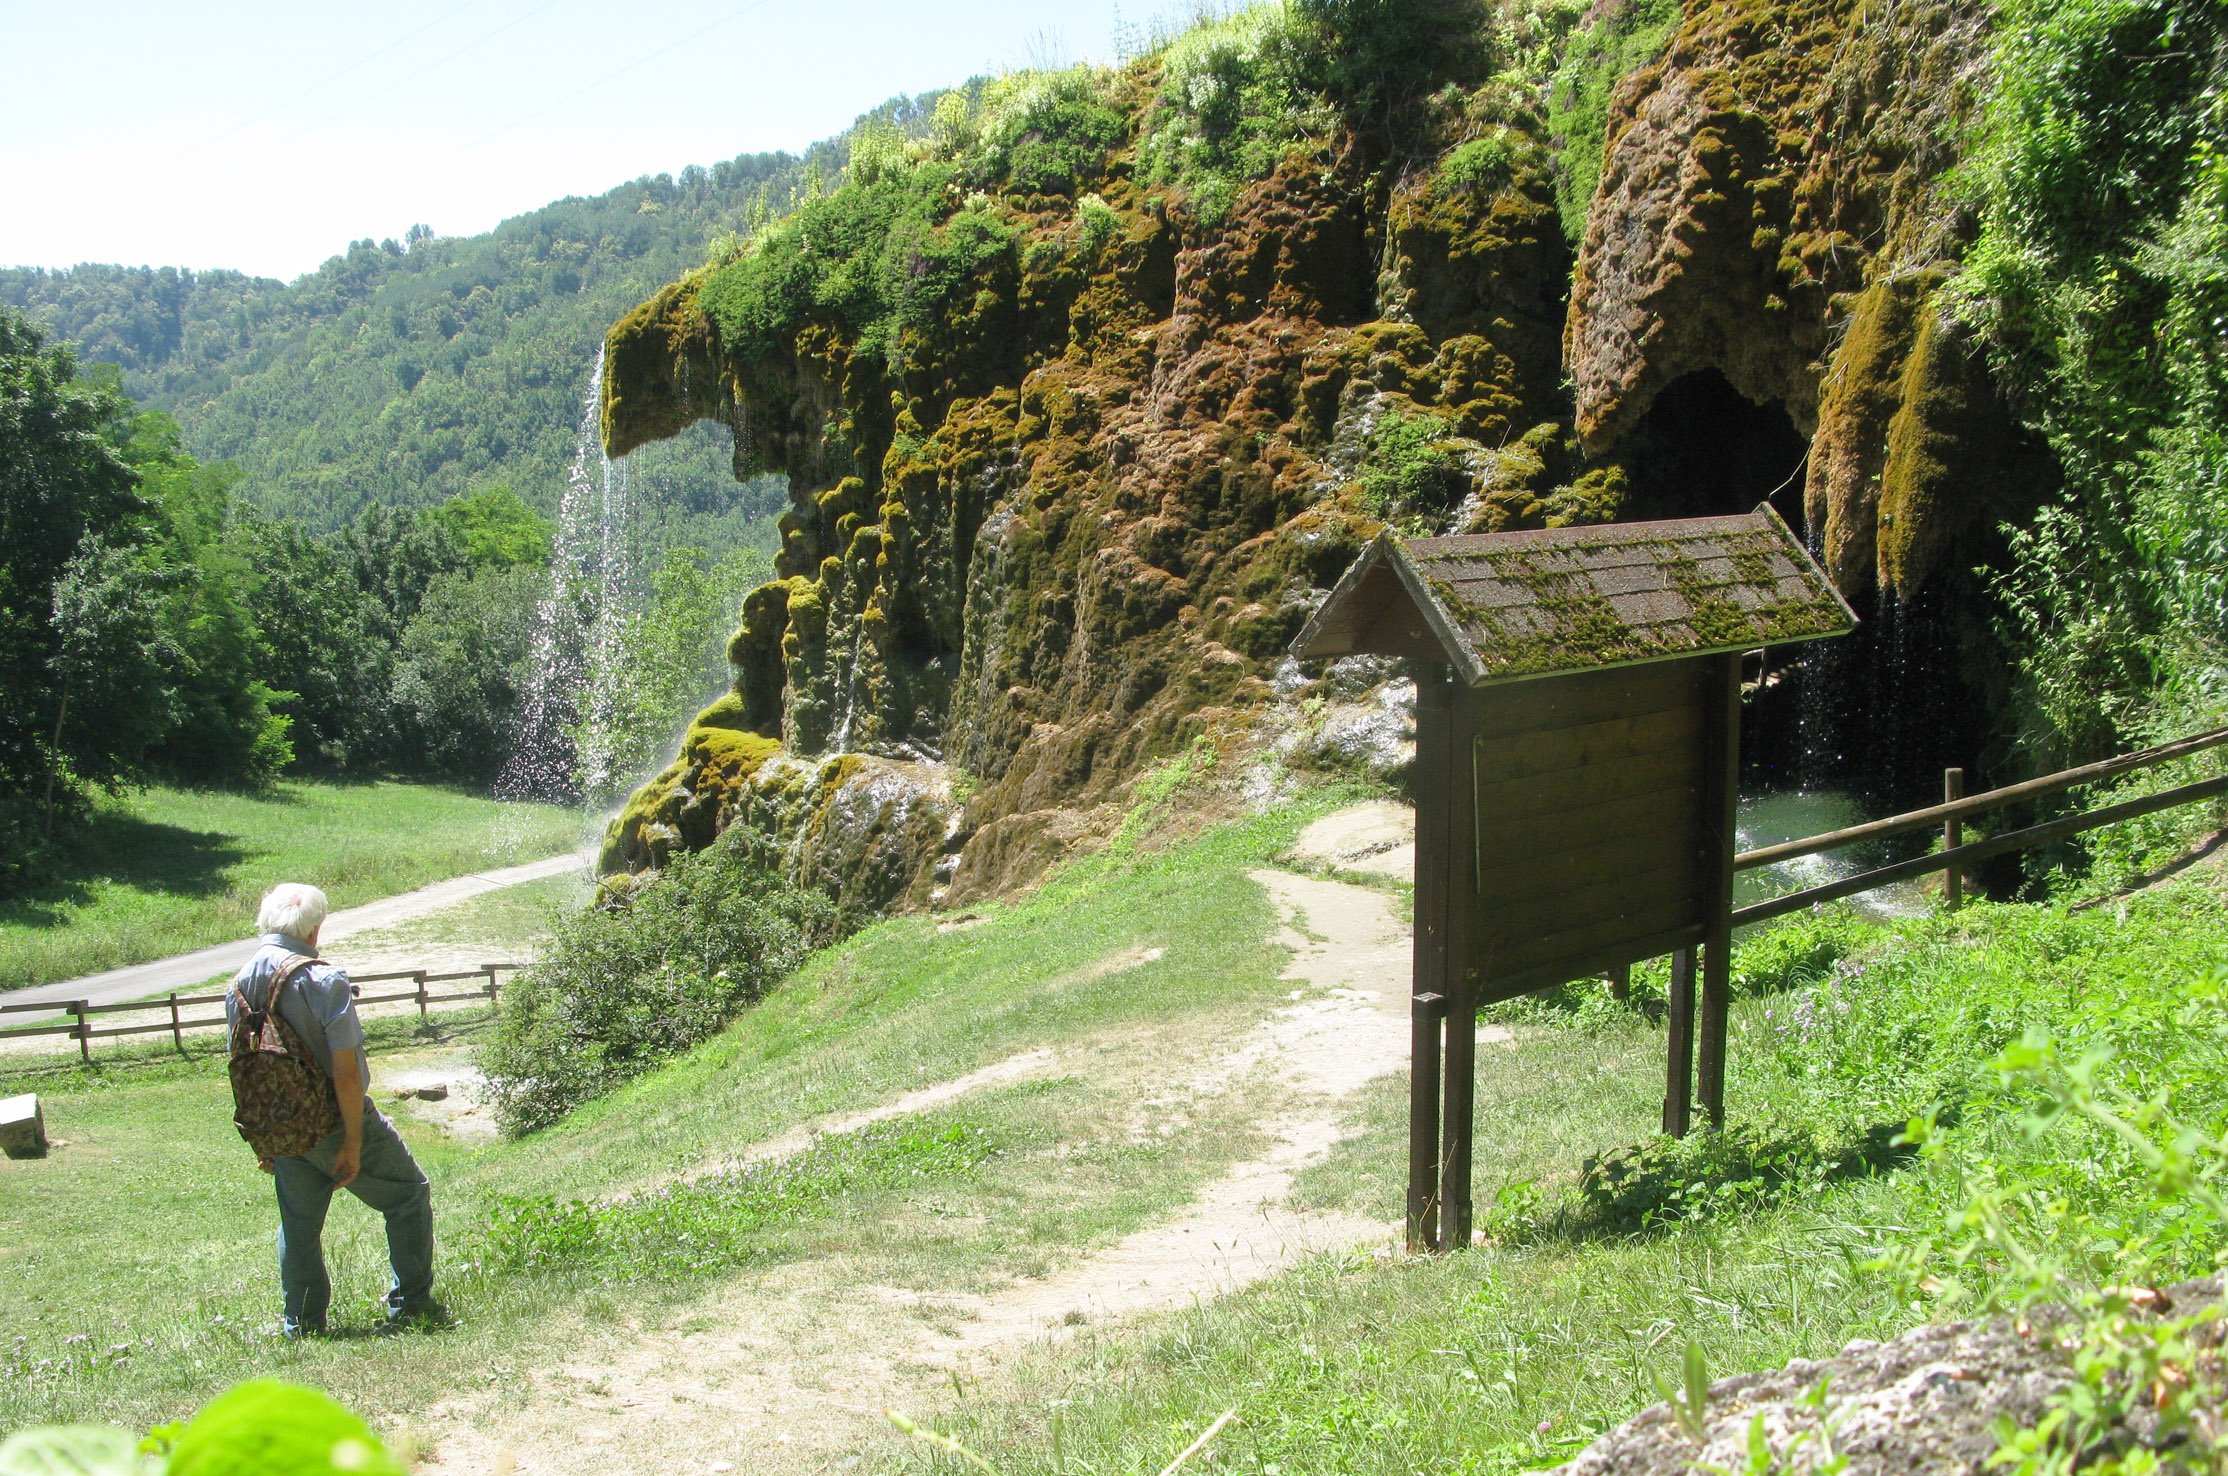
[{"x": 1505, "y": 606}]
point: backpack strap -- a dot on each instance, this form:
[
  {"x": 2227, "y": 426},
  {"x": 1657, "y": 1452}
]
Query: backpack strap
[{"x": 289, "y": 967}]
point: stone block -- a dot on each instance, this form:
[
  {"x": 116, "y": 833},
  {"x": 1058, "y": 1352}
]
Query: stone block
[{"x": 22, "y": 1127}]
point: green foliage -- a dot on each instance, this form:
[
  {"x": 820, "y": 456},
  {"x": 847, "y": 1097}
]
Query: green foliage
[
  {"x": 649, "y": 972},
  {"x": 460, "y": 667},
  {"x": 876, "y": 259},
  {"x": 495, "y": 529},
  {"x": 407, "y": 374},
  {"x": 65, "y": 490},
  {"x": 1045, "y": 133},
  {"x": 1228, "y": 106},
  {"x": 1622, "y": 38},
  {"x": 1410, "y": 469},
  {"x": 708, "y": 1223},
  {"x": 264, "y": 1427},
  {"x": 2100, "y": 279}
]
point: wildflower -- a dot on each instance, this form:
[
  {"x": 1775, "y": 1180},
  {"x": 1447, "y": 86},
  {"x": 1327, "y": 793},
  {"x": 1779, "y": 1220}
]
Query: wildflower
[{"x": 78, "y": 1338}]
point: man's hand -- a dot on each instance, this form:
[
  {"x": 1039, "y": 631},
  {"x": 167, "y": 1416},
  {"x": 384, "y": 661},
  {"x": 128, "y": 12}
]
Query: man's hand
[
  {"x": 346, "y": 1163},
  {"x": 265, "y": 1165},
  {"x": 348, "y": 1093}
]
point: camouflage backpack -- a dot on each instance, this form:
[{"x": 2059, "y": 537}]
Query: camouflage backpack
[{"x": 282, "y": 1100}]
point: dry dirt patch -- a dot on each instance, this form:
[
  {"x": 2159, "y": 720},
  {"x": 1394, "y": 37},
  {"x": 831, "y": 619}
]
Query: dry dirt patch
[{"x": 791, "y": 1369}]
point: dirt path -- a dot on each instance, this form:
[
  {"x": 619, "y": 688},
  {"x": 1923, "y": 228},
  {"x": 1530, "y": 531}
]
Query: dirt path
[
  {"x": 791, "y": 1370},
  {"x": 185, "y": 971}
]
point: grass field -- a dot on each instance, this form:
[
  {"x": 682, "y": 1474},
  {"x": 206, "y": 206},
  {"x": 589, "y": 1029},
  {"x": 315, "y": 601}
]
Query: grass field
[
  {"x": 169, "y": 1302},
  {"x": 1501, "y": 1358},
  {"x": 163, "y": 871}
]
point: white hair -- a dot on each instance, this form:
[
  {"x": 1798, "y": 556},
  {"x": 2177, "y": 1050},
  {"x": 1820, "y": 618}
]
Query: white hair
[{"x": 292, "y": 908}]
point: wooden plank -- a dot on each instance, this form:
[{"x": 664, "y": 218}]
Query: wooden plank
[
  {"x": 1509, "y": 840},
  {"x": 1588, "y": 939},
  {"x": 1980, "y": 850},
  {"x": 1514, "y": 799},
  {"x": 1458, "y": 1098},
  {"x": 1426, "y": 1016},
  {"x": 1678, "y": 1069},
  {"x": 1981, "y": 803},
  {"x": 1401, "y": 630},
  {"x": 1551, "y": 912},
  {"x": 1525, "y": 872},
  {"x": 1588, "y": 965},
  {"x": 1435, "y": 754},
  {"x": 1720, "y": 810},
  {"x": 1611, "y": 741},
  {"x": 1582, "y": 697}
]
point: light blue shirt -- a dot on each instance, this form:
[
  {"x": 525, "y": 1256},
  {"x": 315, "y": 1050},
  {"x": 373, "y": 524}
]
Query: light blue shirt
[{"x": 317, "y": 1001}]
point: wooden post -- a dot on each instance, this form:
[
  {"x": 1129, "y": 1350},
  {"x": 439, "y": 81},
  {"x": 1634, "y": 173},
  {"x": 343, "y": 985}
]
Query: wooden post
[
  {"x": 1953, "y": 836},
  {"x": 1425, "y": 1011},
  {"x": 1678, "y": 1070},
  {"x": 1721, "y": 820},
  {"x": 78, "y": 1007},
  {"x": 1428, "y": 972},
  {"x": 419, "y": 979},
  {"x": 177, "y": 1036},
  {"x": 1458, "y": 1073},
  {"x": 1620, "y": 983},
  {"x": 490, "y": 972}
]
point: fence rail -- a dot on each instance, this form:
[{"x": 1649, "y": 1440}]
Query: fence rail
[
  {"x": 1958, "y": 853},
  {"x": 83, "y": 1032}
]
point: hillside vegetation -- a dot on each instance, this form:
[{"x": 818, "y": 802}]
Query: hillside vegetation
[{"x": 405, "y": 373}]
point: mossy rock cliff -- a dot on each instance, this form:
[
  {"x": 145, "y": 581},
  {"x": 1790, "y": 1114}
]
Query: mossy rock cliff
[{"x": 1086, "y": 394}]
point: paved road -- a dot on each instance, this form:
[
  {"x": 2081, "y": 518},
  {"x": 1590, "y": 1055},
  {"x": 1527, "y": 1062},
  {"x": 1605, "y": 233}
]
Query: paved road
[{"x": 188, "y": 970}]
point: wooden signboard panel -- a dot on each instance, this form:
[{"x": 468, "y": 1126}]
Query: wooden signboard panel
[{"x": 1588, "y": 829}]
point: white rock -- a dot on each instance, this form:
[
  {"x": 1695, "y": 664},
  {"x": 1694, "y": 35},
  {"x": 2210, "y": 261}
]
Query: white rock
[{"x": 22, "y": 1127}]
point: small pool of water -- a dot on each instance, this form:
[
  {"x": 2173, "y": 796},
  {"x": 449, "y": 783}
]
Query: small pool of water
[{"x": 1768, "y": 819}]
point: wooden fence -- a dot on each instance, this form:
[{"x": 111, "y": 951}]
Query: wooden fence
[
  {"x": 1955, "y": 858},
  {"x": 82, "y": 1030}
]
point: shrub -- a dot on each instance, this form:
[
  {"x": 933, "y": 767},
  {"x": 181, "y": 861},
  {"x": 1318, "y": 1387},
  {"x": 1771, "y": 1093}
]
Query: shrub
[{"x": 646, "y": 974}]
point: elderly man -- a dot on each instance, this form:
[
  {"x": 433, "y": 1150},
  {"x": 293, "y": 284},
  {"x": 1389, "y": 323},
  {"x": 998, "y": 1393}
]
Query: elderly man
[{"x": 363, "y": 1155}]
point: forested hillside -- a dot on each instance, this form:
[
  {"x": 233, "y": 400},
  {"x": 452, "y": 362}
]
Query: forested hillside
[{"x": 405, "y": 372}]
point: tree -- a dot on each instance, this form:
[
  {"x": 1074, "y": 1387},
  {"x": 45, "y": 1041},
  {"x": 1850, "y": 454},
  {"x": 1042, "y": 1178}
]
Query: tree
[
  {"x": 461, "y": 668},
  {"x": 62, "y": 482},
  {"x": 495, "y": 529},
  {"x": 109, "y": 669}
]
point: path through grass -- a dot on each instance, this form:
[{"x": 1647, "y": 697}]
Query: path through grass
[
  {"x": 147, "y": 1238},
  {"x": 164, "y": 871}
]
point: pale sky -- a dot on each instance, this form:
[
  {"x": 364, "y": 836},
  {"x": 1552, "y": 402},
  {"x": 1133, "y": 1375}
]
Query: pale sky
[{"x": 267, "y": 136}]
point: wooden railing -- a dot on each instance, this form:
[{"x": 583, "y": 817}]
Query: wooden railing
[
  {"x": 1958, "y": 854},
  {"x": 81, "y": 1029},
  {"x": 1698, "y": 1078}
]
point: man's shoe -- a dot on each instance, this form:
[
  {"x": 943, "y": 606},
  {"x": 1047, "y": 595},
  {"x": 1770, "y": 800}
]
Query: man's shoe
[{"x": 423, "y": 1317}]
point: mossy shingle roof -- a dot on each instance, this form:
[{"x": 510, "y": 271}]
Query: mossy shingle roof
[{"x": 1503, "y": 606}]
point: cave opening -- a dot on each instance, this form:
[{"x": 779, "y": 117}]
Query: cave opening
[
  {"x": 1877, "y": 714},
  {"x": 1704, "y": 450}
]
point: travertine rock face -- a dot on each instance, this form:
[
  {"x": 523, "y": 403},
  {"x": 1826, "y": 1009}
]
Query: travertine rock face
[
  {"x": 1770, "y": 207},
  {"x": 1925, "y": 1404},
  {"x": 1082, "y": 521}
]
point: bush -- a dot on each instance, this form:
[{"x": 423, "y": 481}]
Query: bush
[{"x": 646, "y": 974}]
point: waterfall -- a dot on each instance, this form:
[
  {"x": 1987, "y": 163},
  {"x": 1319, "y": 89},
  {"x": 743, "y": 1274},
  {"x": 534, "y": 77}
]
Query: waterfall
[{"x": 566, "y": 740}]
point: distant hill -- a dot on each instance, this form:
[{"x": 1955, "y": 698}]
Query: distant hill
[{"x": 406, "y": 372}]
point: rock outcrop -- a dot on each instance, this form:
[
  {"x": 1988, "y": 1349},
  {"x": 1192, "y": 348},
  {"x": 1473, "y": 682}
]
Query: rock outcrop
[
  {"x": 1771, "y": 208},
  {"x": 1927, "y": 1402},
  {"x": 1073, "y": 517},
  {"x": 1074, "y": 452}
]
